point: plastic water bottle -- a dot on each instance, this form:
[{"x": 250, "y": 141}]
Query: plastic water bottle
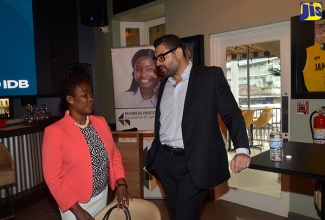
[{"x": 276, "y": 145}]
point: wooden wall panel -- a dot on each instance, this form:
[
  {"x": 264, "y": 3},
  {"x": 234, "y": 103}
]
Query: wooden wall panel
[{"x": 131, "y": 148}]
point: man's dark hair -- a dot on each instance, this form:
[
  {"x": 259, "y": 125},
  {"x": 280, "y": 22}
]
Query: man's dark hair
[{"x": 170, "y": 41}]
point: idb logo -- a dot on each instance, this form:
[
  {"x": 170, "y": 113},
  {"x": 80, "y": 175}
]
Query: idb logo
[
  {"x": 310, "y": 11},
  {"x": 13, "y": 84}
]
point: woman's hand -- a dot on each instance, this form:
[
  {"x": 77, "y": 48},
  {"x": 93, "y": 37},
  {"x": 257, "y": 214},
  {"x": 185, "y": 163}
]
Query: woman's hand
[
  {"x": 80, "y": 213},
  {"x": 122, "y": 195}
]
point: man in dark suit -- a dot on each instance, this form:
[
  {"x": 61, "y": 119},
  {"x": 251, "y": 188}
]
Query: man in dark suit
[{"x": 188, "y": 153}]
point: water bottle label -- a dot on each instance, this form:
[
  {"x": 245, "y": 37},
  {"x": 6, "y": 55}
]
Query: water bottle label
[{"x": 275, "y": 144}]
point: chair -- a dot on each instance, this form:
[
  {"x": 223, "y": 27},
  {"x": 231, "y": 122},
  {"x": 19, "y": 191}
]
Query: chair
[
  {"x": 140, "y": 209},
  {"x": 260, "y": 125},
  {"x": 223, "y": 129},
  {"x": 7, "y": 173},
  {"x": 248, "y": 118}
]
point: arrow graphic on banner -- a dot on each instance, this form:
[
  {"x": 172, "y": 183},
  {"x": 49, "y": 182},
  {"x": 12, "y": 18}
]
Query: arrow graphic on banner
[
  {"x": 124, "y": 122},
  {"x": 149, "y": 181}
]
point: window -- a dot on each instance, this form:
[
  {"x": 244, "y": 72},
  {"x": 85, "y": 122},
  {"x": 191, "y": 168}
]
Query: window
[{"x": 141, "y": 33}]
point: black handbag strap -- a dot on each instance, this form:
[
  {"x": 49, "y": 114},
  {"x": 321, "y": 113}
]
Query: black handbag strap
[{"x": 126, "y": 212}]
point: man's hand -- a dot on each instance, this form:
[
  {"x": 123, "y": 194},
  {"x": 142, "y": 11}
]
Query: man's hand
[{"x": 239, "y": 163}]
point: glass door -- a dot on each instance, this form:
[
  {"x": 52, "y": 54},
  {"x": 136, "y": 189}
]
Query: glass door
[
  {"x": 247, "y": 188},
  {"x": 254, "y": 75}
]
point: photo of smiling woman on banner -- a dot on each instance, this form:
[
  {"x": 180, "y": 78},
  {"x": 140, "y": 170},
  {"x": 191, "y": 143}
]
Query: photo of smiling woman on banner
[
  {"x": 144, "y": 86},
  {"x": 136, "y": 85}
]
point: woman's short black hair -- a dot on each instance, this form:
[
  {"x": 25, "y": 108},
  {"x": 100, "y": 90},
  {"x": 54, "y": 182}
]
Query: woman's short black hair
[{"x": 68, "y": 85}]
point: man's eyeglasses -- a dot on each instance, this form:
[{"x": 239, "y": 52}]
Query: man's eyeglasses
[{"x": 161, "y": 57}]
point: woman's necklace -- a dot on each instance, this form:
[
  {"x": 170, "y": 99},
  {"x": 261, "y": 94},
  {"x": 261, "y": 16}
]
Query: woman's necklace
[{"x": 83, "y": 126}]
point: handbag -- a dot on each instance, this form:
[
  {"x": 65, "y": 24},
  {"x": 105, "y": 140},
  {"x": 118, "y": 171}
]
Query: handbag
[{"x": 126, "y": 212}]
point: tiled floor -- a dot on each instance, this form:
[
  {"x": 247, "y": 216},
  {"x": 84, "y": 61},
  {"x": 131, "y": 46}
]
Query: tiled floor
[
  {"x": 46, "y": 209},
  {"x": 266, "y": 183}
]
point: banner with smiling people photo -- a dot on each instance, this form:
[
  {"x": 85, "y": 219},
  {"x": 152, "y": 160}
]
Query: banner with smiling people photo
[{"x": 135, "y": 87}]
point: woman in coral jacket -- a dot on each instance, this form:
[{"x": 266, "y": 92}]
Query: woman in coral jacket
[{"x": 80, "y": 159}]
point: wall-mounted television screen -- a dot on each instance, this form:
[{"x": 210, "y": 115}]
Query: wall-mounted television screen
[
  {"x": 18, "y": 67},
  {"x": 38, "y": 39}
]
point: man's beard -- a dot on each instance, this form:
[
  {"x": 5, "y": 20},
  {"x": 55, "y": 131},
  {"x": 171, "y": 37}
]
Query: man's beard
[{"x": 169, "y": 73}]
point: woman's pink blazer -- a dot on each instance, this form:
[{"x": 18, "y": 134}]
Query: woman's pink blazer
[{"x": 67, "y": 164}]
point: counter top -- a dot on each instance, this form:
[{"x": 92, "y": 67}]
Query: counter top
[
  {"x": 26, "y": 128},
  {"x": 133, "y": 132}
]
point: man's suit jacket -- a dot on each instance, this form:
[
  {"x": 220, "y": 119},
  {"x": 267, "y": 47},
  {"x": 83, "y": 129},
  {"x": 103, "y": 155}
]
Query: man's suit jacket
[
  {"x": 67, "y": 163},
  {"x": 208, "y": 94}
]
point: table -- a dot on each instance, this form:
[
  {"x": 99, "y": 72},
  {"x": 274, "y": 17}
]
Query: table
[{"x": 305, "y": 162}]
